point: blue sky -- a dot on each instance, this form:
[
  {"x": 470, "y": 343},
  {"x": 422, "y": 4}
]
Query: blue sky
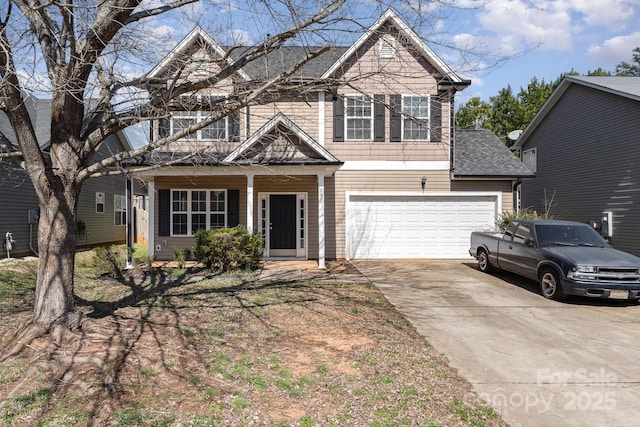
[
  {"x": 546, "y": 38},
  {"x": 494, "y": 43}
]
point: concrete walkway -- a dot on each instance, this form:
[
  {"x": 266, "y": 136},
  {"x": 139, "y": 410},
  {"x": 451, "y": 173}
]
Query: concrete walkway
[{"x": 537, "y": 362}]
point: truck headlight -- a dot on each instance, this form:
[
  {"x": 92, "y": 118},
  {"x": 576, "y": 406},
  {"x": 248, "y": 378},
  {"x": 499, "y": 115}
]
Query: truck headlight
[
  {"x": 582, "y": 272},
  {"x": 586, "y": 269}
]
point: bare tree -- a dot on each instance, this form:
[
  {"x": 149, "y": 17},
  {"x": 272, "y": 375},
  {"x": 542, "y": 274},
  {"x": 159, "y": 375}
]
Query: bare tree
[
  {"x": 76, "y": 46},
  {"x": 74, "y": 50}
]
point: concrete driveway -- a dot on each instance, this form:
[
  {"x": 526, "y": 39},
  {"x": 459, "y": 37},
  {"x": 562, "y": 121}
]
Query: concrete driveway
[{"x": 537, "y": 362}]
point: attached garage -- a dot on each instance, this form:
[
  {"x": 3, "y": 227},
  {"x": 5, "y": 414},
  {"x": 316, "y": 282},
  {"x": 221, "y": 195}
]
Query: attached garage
[{"x": 436, "y": 225}]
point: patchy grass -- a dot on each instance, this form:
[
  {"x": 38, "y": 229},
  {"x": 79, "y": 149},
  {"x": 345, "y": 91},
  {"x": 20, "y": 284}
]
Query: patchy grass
[{"x": 165, "y": 348}]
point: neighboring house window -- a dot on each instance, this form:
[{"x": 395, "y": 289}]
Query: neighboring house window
[
  {"x": 415, "y": 118},
  {"x": 119, "y": 210},
  {"x": 530, "y": 159},
  {"x": 387, "y": 46},
  {"x": 193, "y": 210},
  {"x": 99, "y": 202},
  {"x": 358, "y": 117}
]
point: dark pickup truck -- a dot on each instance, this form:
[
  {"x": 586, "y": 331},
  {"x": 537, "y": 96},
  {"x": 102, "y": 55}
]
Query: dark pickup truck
[{"x": 566, "y": 258}]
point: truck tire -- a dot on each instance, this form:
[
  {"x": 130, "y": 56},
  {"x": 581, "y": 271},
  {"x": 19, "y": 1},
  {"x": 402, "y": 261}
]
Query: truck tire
[
  {"x": 550, "y": 286},
  {"x": 483, "y": 261}
]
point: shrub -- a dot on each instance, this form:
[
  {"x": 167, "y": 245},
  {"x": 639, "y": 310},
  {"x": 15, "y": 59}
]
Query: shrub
[
  {"x": 110, "y": 260},
  {"x": 227, "y": 249},
  {"x": 181, "y": 255},
  {"x": 506, "y": 217}
]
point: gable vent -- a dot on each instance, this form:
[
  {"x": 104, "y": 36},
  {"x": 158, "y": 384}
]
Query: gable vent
[{"x": 387, "y": 47}]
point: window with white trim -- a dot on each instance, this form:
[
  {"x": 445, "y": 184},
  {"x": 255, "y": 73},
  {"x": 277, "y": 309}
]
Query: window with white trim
[
  {"x": 415, "y": 118},
  {"x": 193, "y": 210},
  {"x": 216, "y": 131},
  {"x": 530, "y": 159},
  {"x": 358, "y": 118},
  {"x": 99, "y": 202},
  {"x": 119, "y": 210}
]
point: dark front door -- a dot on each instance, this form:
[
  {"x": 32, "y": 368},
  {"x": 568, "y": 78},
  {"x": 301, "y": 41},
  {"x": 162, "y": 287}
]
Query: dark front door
[{"x": 282, "y": 216}]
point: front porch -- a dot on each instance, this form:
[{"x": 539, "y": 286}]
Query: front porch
[{"x": 284, "y": 204}]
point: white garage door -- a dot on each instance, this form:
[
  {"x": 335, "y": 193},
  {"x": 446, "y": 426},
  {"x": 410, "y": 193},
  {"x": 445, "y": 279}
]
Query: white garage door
[{"x": 415, "y": 226}]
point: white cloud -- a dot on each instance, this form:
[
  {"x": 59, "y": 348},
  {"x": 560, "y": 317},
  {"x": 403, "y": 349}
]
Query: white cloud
[
  {"x": 550, "y": 24},
  {"x": 611, "y": 52},
  {"x": 519, "y": 24}
]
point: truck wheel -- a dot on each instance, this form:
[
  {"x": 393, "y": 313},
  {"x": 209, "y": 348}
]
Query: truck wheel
[
  {"x": 550, "y": 286},
  {"x": 483, "y": 261}
]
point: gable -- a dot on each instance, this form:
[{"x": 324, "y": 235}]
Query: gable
[
  {"x": 390, "y": 24},
  {"x": 195, "y": 56},
  {"x": 280, "y": 141}
]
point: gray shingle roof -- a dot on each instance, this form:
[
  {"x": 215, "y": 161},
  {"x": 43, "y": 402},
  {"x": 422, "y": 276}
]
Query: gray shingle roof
[
  {"x": 284, "y": 58},
  {"x": 620, "y": 85},
  {"x": 40, "y": 112},
  {"x": 480, "y": 154}
]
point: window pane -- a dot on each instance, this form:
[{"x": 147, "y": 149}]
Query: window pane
[
  {"x": 358, "y": 129},
  {"x": 217, "y": 221},
  {"x": 179, "y": 201},
  {"x": 179, "y": 224},
  {"x": 358, "y": 117},
  {"x": 415, "y": 118},
  {"x": 198, "y": 222},
  {"x": 215, "y": 131},
  {"x": 199, "y": 201},
  {"x": 181, "y": 120},
  {"x": 217, "y": 201}
]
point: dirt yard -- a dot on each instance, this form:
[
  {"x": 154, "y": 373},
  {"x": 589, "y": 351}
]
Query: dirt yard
[{"x": 273, "y": 348}]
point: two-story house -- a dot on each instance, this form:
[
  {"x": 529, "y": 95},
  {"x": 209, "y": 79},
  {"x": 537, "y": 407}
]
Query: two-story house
[{"x": 367, "y": 170}]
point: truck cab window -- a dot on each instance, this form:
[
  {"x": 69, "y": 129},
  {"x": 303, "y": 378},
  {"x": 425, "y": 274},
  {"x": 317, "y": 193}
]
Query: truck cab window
[{"x": 522, "y": 235}]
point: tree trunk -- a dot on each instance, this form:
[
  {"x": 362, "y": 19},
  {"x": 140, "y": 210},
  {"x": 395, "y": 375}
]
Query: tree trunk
[{"x": 54, "y": 303}]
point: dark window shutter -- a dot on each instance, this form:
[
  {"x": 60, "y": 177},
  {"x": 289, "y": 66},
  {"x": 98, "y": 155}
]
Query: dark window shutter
[
  {"x": 247, "y": 126},
  {"x": 395, "y": 126},
  {"x": 378, "y": 117},
  {"x": 164, "y": 212},
  {"x": 338, "y": 119},
  {"x": 436, "y": 119},
  {"x": 234, "y": 126},
  {"x": 163, "y": 127},
  {"x": 233, "y": 208}
]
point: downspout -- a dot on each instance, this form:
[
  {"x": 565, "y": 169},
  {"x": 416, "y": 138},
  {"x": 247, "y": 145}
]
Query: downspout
[
  {"x": 452, "y": 130},
  {"x": 32, "y": 217}
]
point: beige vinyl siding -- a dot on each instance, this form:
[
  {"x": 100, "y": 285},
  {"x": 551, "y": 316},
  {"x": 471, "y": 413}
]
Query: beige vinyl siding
[
  {"x": 405, "y": 74},
  {"x": 587, "y": 162},
  {"x": 370, "y": 181},
  {"x": 488, "y": 185},
  {"x": 303, "y": 112}
]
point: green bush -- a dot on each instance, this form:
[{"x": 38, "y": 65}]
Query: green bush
[
  {"x": 110, "y": 260},
  {"x": 505, "y": 218},
  {"x": 181, "y": 255},
  {"x": 227, "y": 249}
]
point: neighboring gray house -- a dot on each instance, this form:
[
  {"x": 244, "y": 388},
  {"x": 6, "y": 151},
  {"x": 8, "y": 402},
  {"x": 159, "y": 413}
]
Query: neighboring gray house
[
  {"x": 583, "y": 147},
  {"x": 101, "y": 206}
]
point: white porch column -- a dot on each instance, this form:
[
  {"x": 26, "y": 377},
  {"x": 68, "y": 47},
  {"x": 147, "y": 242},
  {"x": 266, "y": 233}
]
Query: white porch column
[
  {"x": 250, "y": 203},
  {"x": 151, "y": 219},
  {"x": 321, "y": 260},
  {"x": 321, "y": 118}
]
